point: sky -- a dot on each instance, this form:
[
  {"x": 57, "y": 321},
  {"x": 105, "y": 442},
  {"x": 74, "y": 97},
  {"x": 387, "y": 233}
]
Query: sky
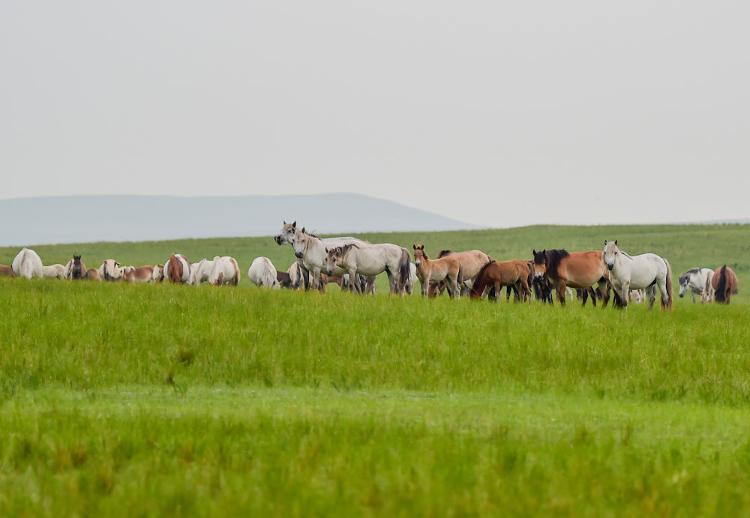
[{"x": 494, "y": 113}]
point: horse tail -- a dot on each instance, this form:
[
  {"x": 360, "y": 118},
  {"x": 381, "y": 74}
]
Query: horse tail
[
  {"x": 236, "y": 272},
  {"x": 668, "y": 305},
  {"x": 175, "y": 275},
  {"x": 404, "y": 268},
  {"x": 721, "y": 286}
]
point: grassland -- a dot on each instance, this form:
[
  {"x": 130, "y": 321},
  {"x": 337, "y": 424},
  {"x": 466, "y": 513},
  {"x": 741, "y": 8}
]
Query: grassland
[{"x": 119, "y": 399}]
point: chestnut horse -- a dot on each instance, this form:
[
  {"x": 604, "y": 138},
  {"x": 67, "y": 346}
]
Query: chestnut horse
[
  {"x": 495, "y": 274},
  {"x": 446, "y": 269},
  {"x": 724, "y": 283},
  {"x": 575, "y": 269}
]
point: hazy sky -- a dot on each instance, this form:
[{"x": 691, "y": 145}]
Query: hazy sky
[{"x": 497, "y": 113}]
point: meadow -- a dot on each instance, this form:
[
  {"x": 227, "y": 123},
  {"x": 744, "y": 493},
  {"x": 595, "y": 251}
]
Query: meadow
[{"x": 124, "y": 399}]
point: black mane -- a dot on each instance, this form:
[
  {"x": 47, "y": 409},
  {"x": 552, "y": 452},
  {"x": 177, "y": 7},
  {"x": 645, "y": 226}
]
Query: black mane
[
  {"x": 443, "y": 253},
  {"x": 552, "y": 260}
]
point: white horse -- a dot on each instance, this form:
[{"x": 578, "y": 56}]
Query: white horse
[
  {"x": 263, "y": 273},
  {"x": 54, "y": 271},
  {"x": 28, "y": 264},
  {"x": 110, "y": 270},
  {"x": 200, "y": 271},
  {"x": 157, "y": 274},
  {"x": 310, "y": 249},
  {"x": 177, "y": 269},
  {"x": 697, "y": 281},
  {"x": 645, "y": 271},
  {"x": 371, "y": 260},
  {"x": 224, "y": 271}
]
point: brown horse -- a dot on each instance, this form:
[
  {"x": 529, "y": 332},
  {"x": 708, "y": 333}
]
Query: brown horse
[
  {"x": 724, "y": 284},
  {"x": 6, "y": 271},
  {"x": 495, "y": 274},
  {"x": 446, "y": 269},
  {"x": 141, "y": 274},
  {"x": 576, "y": 269},
  {"x": 76, "y": 268}
]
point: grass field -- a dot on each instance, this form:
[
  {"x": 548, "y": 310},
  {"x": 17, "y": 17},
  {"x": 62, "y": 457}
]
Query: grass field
[{"x": 128, "y": 400}]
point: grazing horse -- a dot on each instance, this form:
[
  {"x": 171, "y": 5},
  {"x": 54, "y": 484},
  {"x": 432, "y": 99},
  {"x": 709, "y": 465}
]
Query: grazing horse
[
  {"x": 724, "y": 283},
  {"x": 200, "y": 271},
  {"x": 225, "y": 272},
  {"x": 53, "y": 271},
  {"x": 6, "y": 270},
  {"x": 496, "y": 275},
  {"x": 263, "y": 273},
  {"x": 139, "y": 275},
  {"x": 697, "y": 281},
  {"x": 177, "y": 269},
  {"x": 446, "y": 269},
  {"x": 370, "y": 261},
  {"x": 311, "y": 253},
  {"x": 645, "y": 271},
  {"x": 575, "y": 269},
  {"x": 27, "y": 264},
  {"x": 158, "y": 273},
  {"x": 110, "y": 270}
]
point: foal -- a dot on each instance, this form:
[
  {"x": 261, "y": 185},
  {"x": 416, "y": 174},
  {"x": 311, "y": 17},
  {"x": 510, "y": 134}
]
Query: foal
[{"x": 446, "y": 269}]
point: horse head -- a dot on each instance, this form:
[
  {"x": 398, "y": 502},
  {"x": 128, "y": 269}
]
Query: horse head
[
  {"x": 610, "y": 253},
  {"x": 287, "y": 233},
  {"x": 540, "y": 263}
]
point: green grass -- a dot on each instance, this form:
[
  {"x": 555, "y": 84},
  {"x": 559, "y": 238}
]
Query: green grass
[{"x": 118, "y": 399}]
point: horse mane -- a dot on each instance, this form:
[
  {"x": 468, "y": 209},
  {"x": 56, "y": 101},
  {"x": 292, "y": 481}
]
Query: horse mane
[
  {"x": 443, "y": 253},
  {"x": 721, "y": 287},
  {"x": 553, "y": 259}
]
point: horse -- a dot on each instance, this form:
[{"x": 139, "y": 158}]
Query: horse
[
  {"x": 110, "y": 270},
  {"x": 472, "y": 262},
  {"x": 637, "y": 296},
  {"x": 263, "y": 273},
  {"x": 724, "y": 283},
  {"x": 200, "y": 271},
  {"x": 575, "y": 269},
  {"x": 6, "y": 270},
  {"x": 224, "y": 272},
  {"x": 446, "y": 269},
  {"x": 177, "y": 269},
  {"x": 496, "y": 275},
  {"x": 645, "y": 271},
  {"x": 370, "y": 261},
  {"x": 27, "y": 264},
  {"x": 53, "y": 271},
  {"x": 697, "y": 281},
  {"x": 139, "y": 275},
  {"x": 157, "y": 274},
  {"x": 311, "y": 251},
  {"x": 92, "y": 274},
  {"x": 75, "y": 269}
]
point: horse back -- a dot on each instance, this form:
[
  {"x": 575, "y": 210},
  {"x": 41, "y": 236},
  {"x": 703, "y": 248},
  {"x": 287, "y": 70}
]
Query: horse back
[{"x": 582, "y": 269}]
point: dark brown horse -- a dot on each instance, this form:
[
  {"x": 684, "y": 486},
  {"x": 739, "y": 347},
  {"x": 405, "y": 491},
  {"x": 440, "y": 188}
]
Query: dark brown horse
[
  {"x": 724, "y": 283},
  {"x": 499, "y": 274},
  {"x": 77, "y": 270},
  {"x": 577, "y": 270}
]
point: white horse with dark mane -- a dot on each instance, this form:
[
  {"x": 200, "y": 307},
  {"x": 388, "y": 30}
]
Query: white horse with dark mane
[
  {"x": 28, "y": 264},
  {"x": 310, "y": 250},
  {"x": 697, "y": 281},
  {"x": 633, "y": 272},
  {"x": 369, "y": 261}
]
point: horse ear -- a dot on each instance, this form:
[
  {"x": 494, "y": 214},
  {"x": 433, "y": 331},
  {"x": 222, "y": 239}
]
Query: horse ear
[
  {"x": 414, "y": 246},
  {"x": 284, "y": 222},
  {"x": 615, "y": 242},
  {"x": 303, "y": 230},
  {"x": 326, "y": 249},
  {"x": 533, "y": 251},
  {"x": 294, "y": 224},
  {"x": 605, "y": 242}
]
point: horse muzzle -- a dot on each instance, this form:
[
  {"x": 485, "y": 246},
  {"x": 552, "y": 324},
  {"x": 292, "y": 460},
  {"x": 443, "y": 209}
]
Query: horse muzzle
[
  {"x": 277, "y": 239},
  {"x": 610, "y": 266},
  {"x": 298, "y": 255}
]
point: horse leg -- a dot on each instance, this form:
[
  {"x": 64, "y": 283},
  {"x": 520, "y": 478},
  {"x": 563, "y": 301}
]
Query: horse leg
[
  {"x": 592, "y": 292},
  {"x": 665, "y": 294},
  {"x": 651, "y": 292},
  {"x": 584, "y": 296},
  {"x": 561, "y": 286}
]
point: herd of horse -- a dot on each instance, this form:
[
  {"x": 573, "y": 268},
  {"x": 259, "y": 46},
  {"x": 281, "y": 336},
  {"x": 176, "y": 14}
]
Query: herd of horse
[{"x": 353, "y": 264}]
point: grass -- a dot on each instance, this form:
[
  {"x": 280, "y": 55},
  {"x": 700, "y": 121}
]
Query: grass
[{"x": 144, "y": 400}]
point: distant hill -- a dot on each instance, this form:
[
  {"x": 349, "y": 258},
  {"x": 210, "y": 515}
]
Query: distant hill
[{"x": 79, "y": 219}]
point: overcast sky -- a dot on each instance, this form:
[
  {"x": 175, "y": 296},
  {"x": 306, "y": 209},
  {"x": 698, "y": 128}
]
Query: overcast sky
[{"x": 495, "y": 113}]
